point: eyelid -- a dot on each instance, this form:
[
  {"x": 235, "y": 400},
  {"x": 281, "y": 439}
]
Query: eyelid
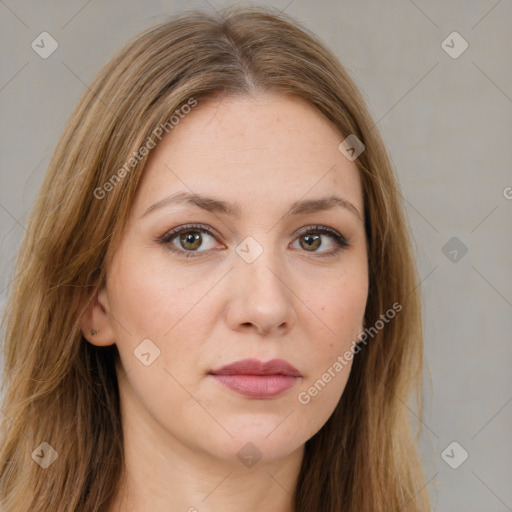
[
  {"x": 165, "y": 239},
  {"x": 318, "y": 228},
  {"x": 190, "y": 227},
  {"x": 168, "y": 236},
  {"x": 339, "y": 239}
]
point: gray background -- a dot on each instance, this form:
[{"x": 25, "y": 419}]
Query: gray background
[{"x": 447, "y": 124}]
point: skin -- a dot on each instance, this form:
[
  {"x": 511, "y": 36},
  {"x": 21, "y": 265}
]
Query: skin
[{"x": 183, "y": 429}]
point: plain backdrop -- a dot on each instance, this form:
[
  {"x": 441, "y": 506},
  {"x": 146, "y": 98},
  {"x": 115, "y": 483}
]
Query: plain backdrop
[{"x": 446, "y": 118}]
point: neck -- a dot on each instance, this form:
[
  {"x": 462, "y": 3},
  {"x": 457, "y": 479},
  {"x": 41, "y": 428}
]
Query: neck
[{"x": 162, "y": 474}]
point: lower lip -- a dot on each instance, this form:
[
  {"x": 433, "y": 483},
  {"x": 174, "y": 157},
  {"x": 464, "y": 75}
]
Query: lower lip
[{"x": 258, "y": 386}]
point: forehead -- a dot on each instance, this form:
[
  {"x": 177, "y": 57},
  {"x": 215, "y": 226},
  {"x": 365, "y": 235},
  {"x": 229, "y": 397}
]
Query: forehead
[{"x": 257, "y": 149}]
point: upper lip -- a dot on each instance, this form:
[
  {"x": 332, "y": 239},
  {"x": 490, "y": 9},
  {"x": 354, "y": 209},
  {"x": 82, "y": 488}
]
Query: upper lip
[{"x": 256, "y": 367}]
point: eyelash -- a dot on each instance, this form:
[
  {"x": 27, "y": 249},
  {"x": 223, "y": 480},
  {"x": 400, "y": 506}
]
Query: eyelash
[{"x": 167, "y": 237}]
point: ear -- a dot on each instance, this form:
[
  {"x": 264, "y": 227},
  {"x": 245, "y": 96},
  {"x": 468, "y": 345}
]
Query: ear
[{"x": 97, "y": 323}]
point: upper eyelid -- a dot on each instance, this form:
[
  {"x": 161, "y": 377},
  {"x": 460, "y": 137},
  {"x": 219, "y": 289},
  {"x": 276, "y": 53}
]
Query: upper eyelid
[
  {"x": 210, "y": 230},
  {"x": 171, "y": 234}
]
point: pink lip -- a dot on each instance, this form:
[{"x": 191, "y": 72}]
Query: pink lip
[{"x": 257, "y": 379}]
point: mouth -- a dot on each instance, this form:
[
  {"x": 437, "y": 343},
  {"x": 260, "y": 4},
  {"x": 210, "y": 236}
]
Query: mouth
[{"x": 258, "y": 379}]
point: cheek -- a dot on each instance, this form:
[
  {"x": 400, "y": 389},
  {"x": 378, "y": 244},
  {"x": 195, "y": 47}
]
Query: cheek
[
  {"x": 173, "y": 310},
  {"x": 340, "y": 307},
  {"x": 155, "y": 299},
  {"x": 345, "y": 314},
  {"x": 318, "y": 397},
  {"x": 341, "y": 304}
]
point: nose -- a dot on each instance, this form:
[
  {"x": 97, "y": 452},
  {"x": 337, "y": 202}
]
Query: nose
[{"x": 263, "y": 297}]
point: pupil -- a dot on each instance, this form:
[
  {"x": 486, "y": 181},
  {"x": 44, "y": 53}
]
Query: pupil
[
  {"x": 192, "y": 239},
  {"x": 313, "y": 241}
]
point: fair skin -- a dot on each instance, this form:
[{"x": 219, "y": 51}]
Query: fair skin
[{"x": 182, "y": 428}]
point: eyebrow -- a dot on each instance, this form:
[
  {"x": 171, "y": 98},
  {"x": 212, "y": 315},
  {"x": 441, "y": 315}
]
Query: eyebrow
[{"x": 214, "y": 205}]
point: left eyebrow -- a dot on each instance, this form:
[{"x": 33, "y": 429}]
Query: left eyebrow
[
  {"x": 215, "y": 205},
  {"x": 322, "y": 204}
]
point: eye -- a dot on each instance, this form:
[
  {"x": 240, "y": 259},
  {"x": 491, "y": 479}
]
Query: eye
[
  {"x": 189, "y": 239},
  {"x": 312, "y": 238}
]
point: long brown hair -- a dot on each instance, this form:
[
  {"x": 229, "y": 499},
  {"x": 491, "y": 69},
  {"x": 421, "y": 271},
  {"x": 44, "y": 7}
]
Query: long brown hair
[{"x": 62, "y": 390}]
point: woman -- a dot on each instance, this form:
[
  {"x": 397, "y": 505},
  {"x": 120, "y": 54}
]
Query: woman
[{"x": 217, "y": 305}]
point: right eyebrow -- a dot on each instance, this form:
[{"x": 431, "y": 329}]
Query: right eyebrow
[{"x": 213, "y": 204}]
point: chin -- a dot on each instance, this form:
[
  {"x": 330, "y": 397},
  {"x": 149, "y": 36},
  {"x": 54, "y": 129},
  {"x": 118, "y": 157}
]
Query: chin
[{"x": 265, "y": 440}]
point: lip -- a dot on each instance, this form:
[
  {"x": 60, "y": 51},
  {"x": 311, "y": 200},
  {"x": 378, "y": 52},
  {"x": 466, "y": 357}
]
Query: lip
[{"x": 258, "y": 379}]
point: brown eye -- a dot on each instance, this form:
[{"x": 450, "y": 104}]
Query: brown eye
[
  {"x": 321, "y": 241},
  {"x": 191, "y": 240},
  {"x": 310, "y": 242}
]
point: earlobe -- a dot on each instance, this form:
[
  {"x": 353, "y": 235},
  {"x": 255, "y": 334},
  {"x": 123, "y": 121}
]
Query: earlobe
[{"x": 96, "y": 322}]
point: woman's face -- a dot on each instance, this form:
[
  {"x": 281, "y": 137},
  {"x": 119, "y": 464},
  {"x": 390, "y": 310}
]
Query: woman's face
[{"x": 260, "y": 275}]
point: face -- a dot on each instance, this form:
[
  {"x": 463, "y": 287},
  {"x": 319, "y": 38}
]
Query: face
[{"x": 257, "y": 271}]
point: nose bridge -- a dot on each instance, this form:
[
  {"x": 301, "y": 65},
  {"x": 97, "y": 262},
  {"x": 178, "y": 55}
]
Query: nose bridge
[
  {"x": 260, "y": 265},
  {"x": 263, "y": 298}
]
